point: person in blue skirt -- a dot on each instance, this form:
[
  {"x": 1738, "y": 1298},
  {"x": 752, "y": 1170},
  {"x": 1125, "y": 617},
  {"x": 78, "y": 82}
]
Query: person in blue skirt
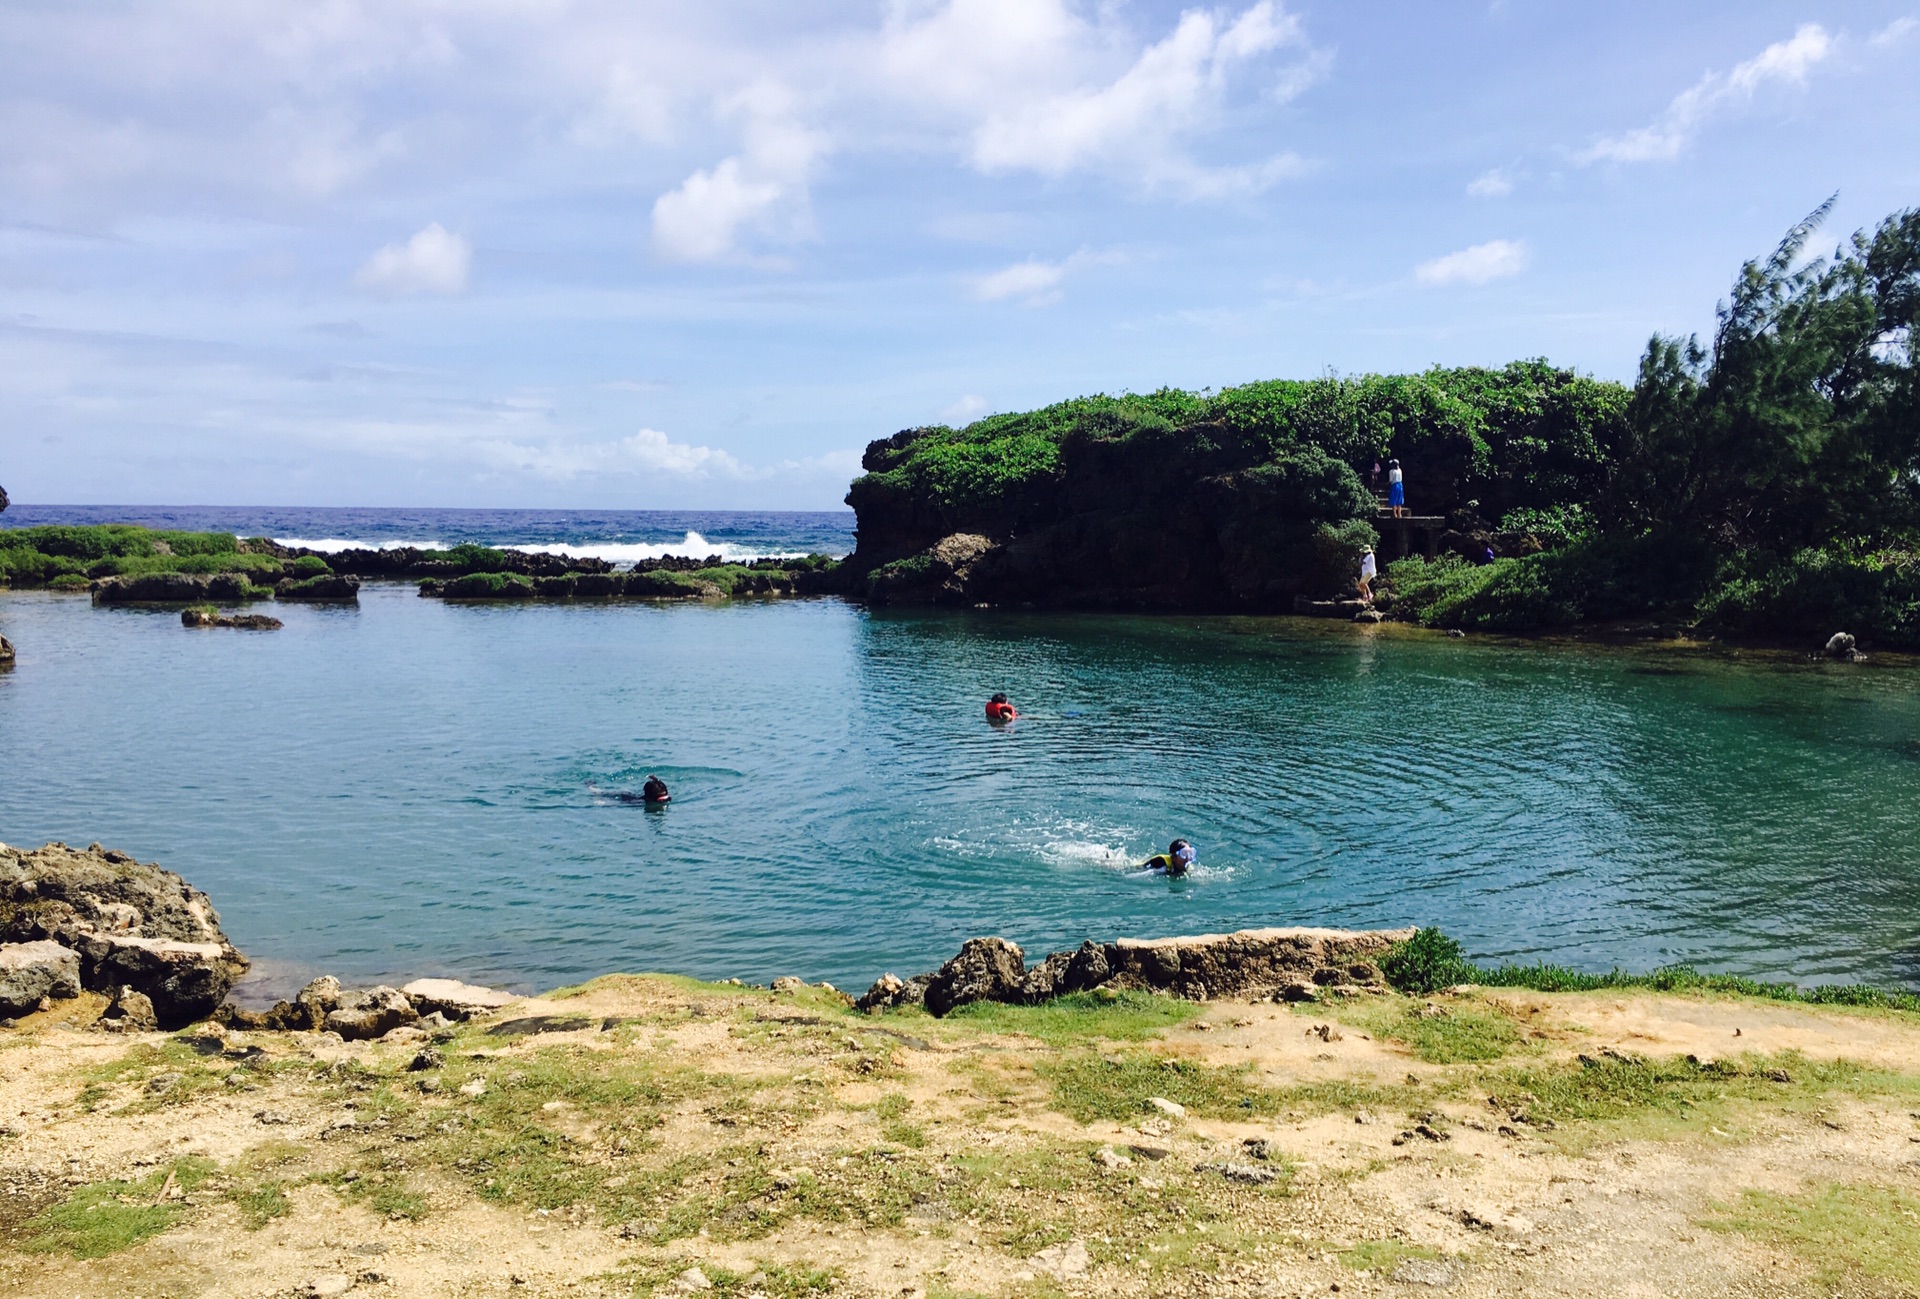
[{"x": 1396, "y": 489}]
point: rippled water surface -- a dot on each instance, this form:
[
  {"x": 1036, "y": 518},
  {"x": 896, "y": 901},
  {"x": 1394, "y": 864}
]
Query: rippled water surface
[{"x": 420, "y": 787}]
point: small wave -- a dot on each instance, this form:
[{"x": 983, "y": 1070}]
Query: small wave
[
  {"x": 1075, "y": 852},
  {"x": 621, "y": 554}
]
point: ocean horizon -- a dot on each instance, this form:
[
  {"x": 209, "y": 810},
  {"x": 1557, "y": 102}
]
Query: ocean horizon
[{"x": 621, "y": 537}]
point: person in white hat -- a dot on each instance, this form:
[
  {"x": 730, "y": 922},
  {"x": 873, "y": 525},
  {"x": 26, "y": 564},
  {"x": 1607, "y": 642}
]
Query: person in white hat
[{"x": 1367, "y": 571}]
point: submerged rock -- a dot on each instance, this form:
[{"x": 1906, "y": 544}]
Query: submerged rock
[
  {"x": 32, "y": 971},
  {"x": 131, "y": 924}
]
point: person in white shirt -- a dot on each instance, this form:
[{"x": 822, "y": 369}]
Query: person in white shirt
[
  {"x": 1367, "y": 571},
  {"x": 1396, "y": 489}
]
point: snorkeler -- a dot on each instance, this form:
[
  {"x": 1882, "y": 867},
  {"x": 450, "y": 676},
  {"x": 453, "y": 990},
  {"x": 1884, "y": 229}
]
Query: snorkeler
[
  {"x": 1176, "y": 861},
  {"x": 999, "y": 710},
  {"x": 655, "y": 791}
]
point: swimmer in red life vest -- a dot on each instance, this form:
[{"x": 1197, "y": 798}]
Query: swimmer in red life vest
[{"x": 999, "y": 710}]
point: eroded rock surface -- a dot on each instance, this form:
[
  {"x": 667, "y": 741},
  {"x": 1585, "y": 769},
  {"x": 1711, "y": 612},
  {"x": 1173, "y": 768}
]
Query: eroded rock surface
[
  {"x": 1291, "y": 964},
  {"x": 32, "y": 971},
  {"x": 130, "y": 924},
  {"x": 454, "y": 999},
  {"x": 170, "y": 588}
]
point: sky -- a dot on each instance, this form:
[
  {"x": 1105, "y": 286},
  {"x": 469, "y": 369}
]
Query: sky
[{"x": 626, "y": 254}]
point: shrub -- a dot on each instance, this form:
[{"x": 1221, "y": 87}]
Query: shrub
[
  {"x": 70, "y": 582},
  {"x": 1816, "y": 592},
  {"x": 308, "y": 566},
  {"x": 1553, "y": 527},
  {"x": 1426, "y": 963}
]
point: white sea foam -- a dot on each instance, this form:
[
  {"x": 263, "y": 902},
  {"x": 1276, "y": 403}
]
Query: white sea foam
[
  {"x": 1074, "y": 852},
  {"x": 622, "y": 554}
]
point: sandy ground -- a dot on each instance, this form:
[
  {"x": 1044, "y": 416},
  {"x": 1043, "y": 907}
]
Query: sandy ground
[{"x": 792, "y": 1147}]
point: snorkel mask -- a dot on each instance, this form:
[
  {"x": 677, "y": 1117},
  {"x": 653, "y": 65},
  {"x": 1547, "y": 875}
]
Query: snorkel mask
[{"x": 1184, "y": 855}]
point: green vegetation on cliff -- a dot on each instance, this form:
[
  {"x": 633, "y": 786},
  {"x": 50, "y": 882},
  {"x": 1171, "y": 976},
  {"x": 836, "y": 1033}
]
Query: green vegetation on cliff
[{"x": 1765, "y": 483}]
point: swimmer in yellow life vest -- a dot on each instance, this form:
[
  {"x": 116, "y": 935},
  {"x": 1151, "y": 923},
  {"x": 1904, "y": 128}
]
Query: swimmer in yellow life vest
[{"x": 1176, "y": 861}]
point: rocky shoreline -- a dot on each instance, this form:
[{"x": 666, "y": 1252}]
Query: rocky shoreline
[{"x": 97, "y": 920}]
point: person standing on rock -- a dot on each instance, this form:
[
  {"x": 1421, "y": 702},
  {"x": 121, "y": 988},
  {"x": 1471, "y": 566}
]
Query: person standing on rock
[
  {"x": 1368, "y": 570},
  {"x": 1396, "y": 489}
]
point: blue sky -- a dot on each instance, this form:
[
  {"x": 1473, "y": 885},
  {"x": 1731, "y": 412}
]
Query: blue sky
[{"x": 565, "y": 252}]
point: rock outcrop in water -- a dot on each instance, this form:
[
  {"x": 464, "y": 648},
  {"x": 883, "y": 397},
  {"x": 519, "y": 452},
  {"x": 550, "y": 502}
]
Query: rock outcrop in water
[
  {"x": 130, "y": 926},
  {"x": 1296, "y": 964},
  {"x": 240, "y": 622},
  {"x": 6, "y": 652},
  {"x": 171, "y": 588}
]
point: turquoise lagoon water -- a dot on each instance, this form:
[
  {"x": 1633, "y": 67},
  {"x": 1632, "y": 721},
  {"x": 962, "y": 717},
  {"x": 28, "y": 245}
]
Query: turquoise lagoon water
[{"x": 416, "y": 787}]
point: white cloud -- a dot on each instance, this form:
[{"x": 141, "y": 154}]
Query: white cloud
[
  {"x": 1494, "y": 183},
  {"x": 1893, "y": 33},
  {"x": 1784, "y": 62},
  {"x": 1497, "y": 259},
  {"x": 763, "y": 188},
  {"x": 433, "y": 261},
  {"x": 648, "y": 451},
  {"x": 1139, "y": 120},
  {"x": 1033, "y": 281},
  {"x": 964, "y": 410}
]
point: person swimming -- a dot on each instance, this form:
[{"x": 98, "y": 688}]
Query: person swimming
[
  {"x": 655, "y": 792},
  {"x": 999, "y": 710},
  {"x": 1176, "y": 861}
]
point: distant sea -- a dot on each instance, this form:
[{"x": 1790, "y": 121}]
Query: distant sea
[{"x": 619, "y": 536}]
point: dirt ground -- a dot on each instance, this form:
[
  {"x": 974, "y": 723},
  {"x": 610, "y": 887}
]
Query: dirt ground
[{"x": 647, "y": 1134}]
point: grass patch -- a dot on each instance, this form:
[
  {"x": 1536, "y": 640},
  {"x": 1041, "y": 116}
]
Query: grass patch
[
  {"x": 1090, "y": 1088},
  {"x": 1679, "y": 1093},
  {"x": 1431, "y": 961},
  {"x": 1081, "y": 1017},
  {"x": 775, "y": 1280},
  {"x": 1383, "y": 1256},
  {"x": 260, "y": 1203},
  {"x": 1844, "y": 1232},
  {"x": 1445, "y": 1034},
  {"x": 106, "y": 1217}
]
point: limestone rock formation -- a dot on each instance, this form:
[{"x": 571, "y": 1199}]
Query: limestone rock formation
[
  {"x": 30, "y": 972},
  {"x": 1253, "y": 964},
  {"x": 130, "y": 924},
  {"x": 6, "y": 652},
  {"x": 170, "y": 588},
  {"x": 243, "y": 622},
  {"x": 373, "y": 1013},
  {"x": 986, "y": 969},
  {"x": 454, "y": 999},
  {"x": 327, "y": 586}
]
